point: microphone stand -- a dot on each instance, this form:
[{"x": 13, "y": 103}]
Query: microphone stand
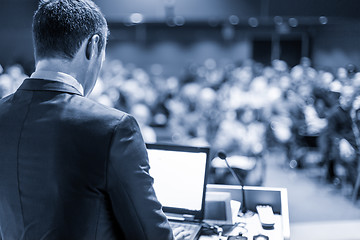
[{"x": 244, "y": 211}]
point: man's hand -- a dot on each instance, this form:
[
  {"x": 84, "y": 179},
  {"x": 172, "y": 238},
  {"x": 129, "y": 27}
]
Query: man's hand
[
  {"x": 347, "y": 152},
  {"x": 180, "y": 233}
]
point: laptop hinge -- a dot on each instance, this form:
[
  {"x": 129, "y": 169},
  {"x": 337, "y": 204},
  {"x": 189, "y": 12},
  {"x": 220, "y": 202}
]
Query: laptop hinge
[
  {"x": 181, "y": 217},
  {"x": 188, "y": 217}
]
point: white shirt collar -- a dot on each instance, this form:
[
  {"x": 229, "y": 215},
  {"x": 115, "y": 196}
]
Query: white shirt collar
[{"x": 58, "y": 77}]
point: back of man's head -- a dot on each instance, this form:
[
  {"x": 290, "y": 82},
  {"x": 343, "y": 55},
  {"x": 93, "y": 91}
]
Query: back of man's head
[{"x": 61, "y": 26}]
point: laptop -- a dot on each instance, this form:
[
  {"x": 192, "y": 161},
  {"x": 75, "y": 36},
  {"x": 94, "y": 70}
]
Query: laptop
[{"x": 180, "y": 174}]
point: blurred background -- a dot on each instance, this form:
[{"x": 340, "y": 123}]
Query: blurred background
[{"x": 274, "y": 83}]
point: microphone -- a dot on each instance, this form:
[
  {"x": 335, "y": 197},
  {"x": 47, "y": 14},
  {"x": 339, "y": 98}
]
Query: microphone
[{"x": 222, "y": 155}]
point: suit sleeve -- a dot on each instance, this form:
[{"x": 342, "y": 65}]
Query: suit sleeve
[{"x": 130, "y": 186}]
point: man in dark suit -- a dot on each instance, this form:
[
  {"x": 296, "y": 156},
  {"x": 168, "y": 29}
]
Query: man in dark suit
[
  {"x": 71, "y": 168},
  {"x": 340, "y": 128}
]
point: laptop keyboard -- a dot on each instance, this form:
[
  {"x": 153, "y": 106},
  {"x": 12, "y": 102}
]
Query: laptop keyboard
[{"x": 193, "y": 229}]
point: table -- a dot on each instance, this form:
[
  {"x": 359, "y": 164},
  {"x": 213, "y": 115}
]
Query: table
[{"x": 276, "y": 197}]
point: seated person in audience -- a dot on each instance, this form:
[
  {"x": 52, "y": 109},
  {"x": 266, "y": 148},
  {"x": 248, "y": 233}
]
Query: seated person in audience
[
  {"x": 72, "y": 168},
  {"x": 324, "y": 98},
  {"x": 142, "y": 114}
]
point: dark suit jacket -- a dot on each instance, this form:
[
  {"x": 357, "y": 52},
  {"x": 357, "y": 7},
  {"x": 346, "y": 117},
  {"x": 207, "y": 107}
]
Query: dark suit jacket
[{"x": 73, "y": 169}]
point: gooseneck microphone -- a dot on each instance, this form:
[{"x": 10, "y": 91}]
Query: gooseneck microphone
[{"x": 222, "y": 155}]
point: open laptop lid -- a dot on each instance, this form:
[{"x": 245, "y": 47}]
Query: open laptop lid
[{"x": 180, "y": 175}]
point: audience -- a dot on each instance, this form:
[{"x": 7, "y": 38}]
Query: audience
[{"x": 244, "y": 109}]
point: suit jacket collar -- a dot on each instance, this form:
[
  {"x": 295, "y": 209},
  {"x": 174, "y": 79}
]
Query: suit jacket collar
[
  {"x": 59, "y": 77},
  {"x": 37, "y": 84}
]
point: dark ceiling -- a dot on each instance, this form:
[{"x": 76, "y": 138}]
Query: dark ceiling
[
  {"x": 199, "y": 9},
  {"x": 18, "y": 13}
]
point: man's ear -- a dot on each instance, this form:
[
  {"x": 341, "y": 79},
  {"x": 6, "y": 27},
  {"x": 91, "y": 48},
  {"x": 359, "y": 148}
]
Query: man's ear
[{"x": 92, "y": 47}]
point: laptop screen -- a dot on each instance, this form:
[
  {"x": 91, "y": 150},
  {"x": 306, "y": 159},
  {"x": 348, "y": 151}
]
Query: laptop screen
[{"x": 179, "y": 174}]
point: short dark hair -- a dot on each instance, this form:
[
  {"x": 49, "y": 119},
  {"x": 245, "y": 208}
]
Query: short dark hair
[{"x": 61, "y": 26}]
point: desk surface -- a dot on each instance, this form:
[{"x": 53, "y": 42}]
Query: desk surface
[{"x": 253, "y": 227}]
